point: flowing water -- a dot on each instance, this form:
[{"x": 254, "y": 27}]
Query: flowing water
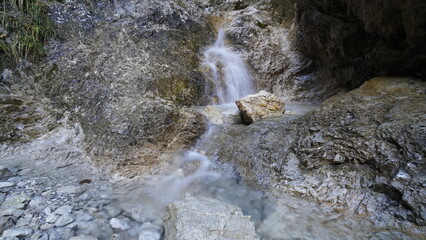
[{"x": 227, "y": 71}]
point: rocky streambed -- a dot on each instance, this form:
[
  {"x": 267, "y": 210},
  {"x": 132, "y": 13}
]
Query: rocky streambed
[{"x": 51, "y": 190}]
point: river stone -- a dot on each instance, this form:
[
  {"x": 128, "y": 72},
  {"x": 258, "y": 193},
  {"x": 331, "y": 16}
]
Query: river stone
[
  {"x": 120, "y": 224},
  {"x": 261, "y": 105},
  {"x": 18, "y": 232},
  {"x": 206, "y": 219}
]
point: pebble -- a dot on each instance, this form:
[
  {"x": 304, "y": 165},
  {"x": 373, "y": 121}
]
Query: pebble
[
  {"x": 120, "y": 224},
  {"x": 64, "y": 220},
  {"x": 18, "y": 232}
]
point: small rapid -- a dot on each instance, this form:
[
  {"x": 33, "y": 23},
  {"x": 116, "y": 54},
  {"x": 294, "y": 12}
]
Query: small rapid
[{"x": 226, "y": 70}]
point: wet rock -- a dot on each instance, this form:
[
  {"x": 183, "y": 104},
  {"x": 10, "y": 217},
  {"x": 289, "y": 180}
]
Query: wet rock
[
  {"x": 64, "y": 220},
  {"x": 13, "y": 205},
  {"x": 150, "y": 231},
  {"x": 261, "y": 105},
  {"x": 120, "y": 224},
  {"x": 213, "y": 115},
  {"x": 198, "y": 217},
  {"x": 21, "y": 232}
]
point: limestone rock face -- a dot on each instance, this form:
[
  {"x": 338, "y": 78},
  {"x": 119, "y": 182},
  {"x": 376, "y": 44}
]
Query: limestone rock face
[
  {"x": 261, "y": 105},
  {"x": 356, "y": 152},
  {"x": 206, "y": 219},
  {"x": 126, "y": 71}
]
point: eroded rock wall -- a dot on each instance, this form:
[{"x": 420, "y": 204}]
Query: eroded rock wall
[{"x": 125, "y": 69}]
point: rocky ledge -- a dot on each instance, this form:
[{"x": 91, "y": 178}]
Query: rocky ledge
[{"x": 361, "y": 152}]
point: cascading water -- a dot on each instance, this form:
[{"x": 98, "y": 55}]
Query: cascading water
[{"x": 227, "y": 71}]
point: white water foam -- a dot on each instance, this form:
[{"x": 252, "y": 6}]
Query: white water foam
[{"x": 228, "y": 72}]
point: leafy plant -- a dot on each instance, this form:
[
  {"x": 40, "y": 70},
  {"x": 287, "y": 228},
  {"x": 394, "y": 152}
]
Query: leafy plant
[{"x": 24, "y": 28}]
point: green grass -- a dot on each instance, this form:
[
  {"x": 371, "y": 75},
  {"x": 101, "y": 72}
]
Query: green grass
[{"x": 24, "y": 28}]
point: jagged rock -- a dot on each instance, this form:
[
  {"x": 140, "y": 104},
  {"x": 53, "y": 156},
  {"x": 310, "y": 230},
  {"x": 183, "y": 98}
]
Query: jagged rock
[
  {"x": 6, "y": 184},
  {"x": 21, "y": 232},
  {"x": 261, "y": 105},
  {"x": 205, "y": 218},
  {"x": 63, "y": 220},
  {"x": 13, "y": 205}
]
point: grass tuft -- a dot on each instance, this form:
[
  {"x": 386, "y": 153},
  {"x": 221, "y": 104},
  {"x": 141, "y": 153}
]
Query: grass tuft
[{"x": 24, "y": 28}]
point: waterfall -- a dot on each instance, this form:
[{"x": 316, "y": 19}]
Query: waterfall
[{"x": 230, "y": 77}]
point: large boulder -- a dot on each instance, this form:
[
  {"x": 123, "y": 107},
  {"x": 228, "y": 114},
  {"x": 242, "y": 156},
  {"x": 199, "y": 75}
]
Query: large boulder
[
  {"x": 206, "y": 219},
  {"x": 261, "y": 105}
]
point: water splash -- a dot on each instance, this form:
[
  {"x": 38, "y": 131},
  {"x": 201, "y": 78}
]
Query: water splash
[{"x": 230, "y": 77}]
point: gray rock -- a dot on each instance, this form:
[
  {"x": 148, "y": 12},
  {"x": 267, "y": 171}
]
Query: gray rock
[
  {"x": 150, "y": 231},
  {"x": 13, "y": 204},
  {"x": 198, "y": 217},
  {"x": 60, "y": 233},
  {"x": 64, "y": 220},
  {"x": 64, "y": 210},
  {"x": 120, "y": 224},
  {"x": 47, "y": 211},
  {"x": 261, "y": 105},
  {"x": 83, "y": 237},
  {"x": 6, "y": 184},
  {"x": 5, "y": 171},
  {"x": 18, "y": 232},
  {"x": 51, "y": 218},
  {"x": 82, "y": 216}
]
